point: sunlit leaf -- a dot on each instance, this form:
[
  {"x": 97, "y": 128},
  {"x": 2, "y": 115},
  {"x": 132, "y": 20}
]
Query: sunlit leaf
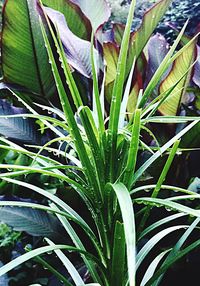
[
  {"x": 97, "y": 11},
  {"x": 180, "y": 66}
]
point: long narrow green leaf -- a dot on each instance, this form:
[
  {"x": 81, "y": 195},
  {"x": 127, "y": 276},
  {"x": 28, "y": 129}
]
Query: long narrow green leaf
[
  {"x": 169, "y": 205},
  {"x": 33, "y": 253},
  {"x": 68, "y": 265},
  {"x": 173, "y": 260},
  {"x": 141, "y": 255},
  {"x": 152, "y": 267},
  {"x": 143, "y": 168},
  {"x": 124, "y": 103},
  {"x": 78, "y": 243},
  {"x": 170, "y": 119},
  {"x": 50, "y": 268},
  {"x": 174, "y": 251},
  {"x": 133, "y": 150},
  {"x": 90, "y": 127},
  {"x": 159, "y": 183},
  {"x": 96, "y": 99},
  {"x": 118, "y": 255},
  {"x": 74, "y": 131},
  {"x": 126, "y": 207},
  {"x": 159, "y": 223},
  {"x": 117, "y": 92}
]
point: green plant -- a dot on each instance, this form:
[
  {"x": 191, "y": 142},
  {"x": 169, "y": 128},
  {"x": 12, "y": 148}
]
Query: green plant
[
  {"x": 103, "y": 168},
  {"x": 7, "y": 236}
]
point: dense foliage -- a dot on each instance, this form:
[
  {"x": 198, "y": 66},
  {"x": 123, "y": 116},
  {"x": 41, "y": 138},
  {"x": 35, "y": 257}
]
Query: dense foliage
[{"x": 84, "y": 158}]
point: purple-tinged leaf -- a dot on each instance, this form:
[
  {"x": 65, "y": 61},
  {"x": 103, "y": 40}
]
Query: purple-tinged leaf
[
  {"x": 17, "y": 128},
  {"x": 104, "y": 36},
  {"x": 157, "y": 50},
  {"x": 76, "y": 49},
  {"x": 196, "y": 76},
  {"x": 97, "y": 11}
]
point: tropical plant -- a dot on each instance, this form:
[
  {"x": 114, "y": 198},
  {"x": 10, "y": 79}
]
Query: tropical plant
[{"x": 103, "y": 147}]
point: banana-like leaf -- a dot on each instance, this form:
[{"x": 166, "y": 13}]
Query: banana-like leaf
[
  {"x": 34, "y": 222},
  {"x": 196, "y": 77},
  {"x": 150, "y": 20},
  {"x": 19, "y": 128},
  {"x": 180, "y": 66},
  {"x": 77, "y": 22},
  {"x": 97, "y": 11},
  {"x": 111, "y": 54},
  {"x": 132, "y": 100},
  {"x": 24, "y": 56},
  {"x": 157, "y": 50},
  {"x": 118, "y": 31},
  {"x": 76, "y": 49}
]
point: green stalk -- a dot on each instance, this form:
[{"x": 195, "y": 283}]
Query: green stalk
[{"x": 159, "y": 183}]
